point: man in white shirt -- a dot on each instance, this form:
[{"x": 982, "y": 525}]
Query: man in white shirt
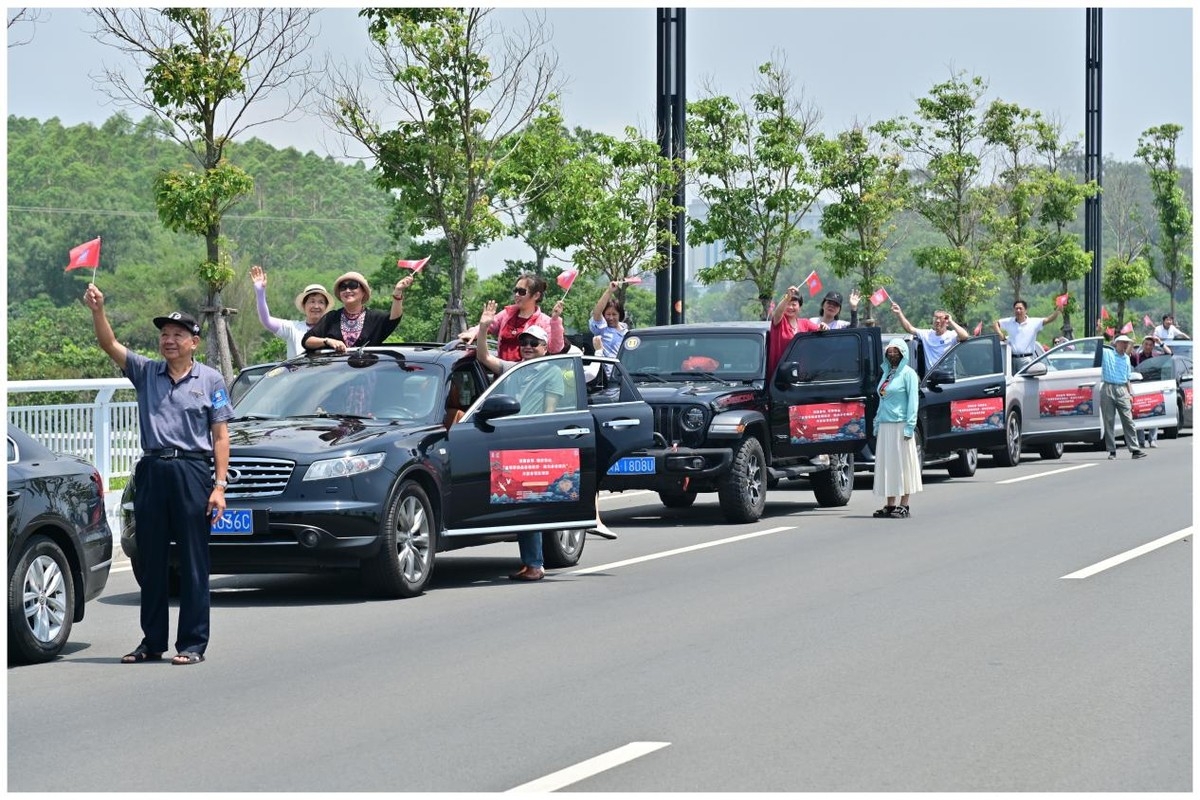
[
  {"x": 1167, "y": 331},
  {"x": 935, "y": 340},
  {"x": 1021, "y": 331}
]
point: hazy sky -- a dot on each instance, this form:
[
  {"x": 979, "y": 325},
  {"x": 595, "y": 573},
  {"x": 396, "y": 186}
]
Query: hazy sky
[{"x": 855, "y": 64}]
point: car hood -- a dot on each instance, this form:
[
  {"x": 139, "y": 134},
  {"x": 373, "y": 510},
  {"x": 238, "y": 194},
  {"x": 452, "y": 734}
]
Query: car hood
[
  {"x": 701, "y": 392},
  {"x": 297, "y": 438}
]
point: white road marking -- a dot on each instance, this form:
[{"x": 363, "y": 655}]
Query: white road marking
[
  {"x": 127, "y": 568},
  {"x": 593, "y": 766},
  {"x": 1087, "y": 572},
  {"x": 1045, "y": 474},
  {"x": 607, "y": 495},
  {"x": 677, "y": 551}
]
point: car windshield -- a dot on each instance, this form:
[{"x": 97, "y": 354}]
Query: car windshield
[
  {"x": 1073, "y": 354},
  {"x": 1159, "y": 368},
  {"x": 376, "y": 388},
  {"x": 701, "y": 356}
]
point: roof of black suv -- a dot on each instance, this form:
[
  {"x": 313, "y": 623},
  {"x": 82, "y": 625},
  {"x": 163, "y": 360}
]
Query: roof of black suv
[{"x": 687, "y": 328}]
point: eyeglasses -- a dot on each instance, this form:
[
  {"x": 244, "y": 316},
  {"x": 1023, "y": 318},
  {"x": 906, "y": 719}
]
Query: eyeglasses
[
  {"x": 528, "y": 341},
  {"x": 349, "y": 285},
  {"x": 520, "y": 291}
]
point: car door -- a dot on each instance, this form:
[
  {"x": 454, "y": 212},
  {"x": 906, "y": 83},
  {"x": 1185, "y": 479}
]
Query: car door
[
  {"x": 963, "y": 397},
  {"x": 624, "y": 421},
  {"x": 512, "y": 469},
  {"x": 823, "y": 393},
  {"x": 1058, "y": 393}
]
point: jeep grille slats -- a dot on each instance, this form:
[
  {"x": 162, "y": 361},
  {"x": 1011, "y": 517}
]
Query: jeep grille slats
[{"x": 668, "y": 423}]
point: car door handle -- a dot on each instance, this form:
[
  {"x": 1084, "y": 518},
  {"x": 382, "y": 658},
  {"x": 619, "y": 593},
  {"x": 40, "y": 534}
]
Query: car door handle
[
  {"x": 574, "y": 432},
  {"x": 1091, "y": 385},
  {"x": 621, "y": 423},
  {"x": 993, "y": 390}
]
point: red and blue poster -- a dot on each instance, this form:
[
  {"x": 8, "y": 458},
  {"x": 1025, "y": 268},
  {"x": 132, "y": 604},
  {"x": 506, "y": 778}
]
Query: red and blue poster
[
  {"x": 1149, "y": 405},
  {"x": 981, "y": 414},
  {"x": 827, "y": 422},
  {"x": 1187, "y": 397},
  {"x": 534, "y": 476},
  {"x": 1066, "y": 403}
]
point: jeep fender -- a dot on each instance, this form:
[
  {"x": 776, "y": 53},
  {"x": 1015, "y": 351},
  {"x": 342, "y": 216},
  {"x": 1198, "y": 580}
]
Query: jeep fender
[{"x": 734, "y": 424}]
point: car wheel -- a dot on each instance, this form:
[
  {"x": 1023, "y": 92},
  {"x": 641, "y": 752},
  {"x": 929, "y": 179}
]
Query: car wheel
[
  {"x": 1173, "y": 433},
  {"x": 833, "y": 486},
  {"x": 563, "y": 548},
  {"x": 41, "y": 602},
  {"x": 964, "y": 465},
  {"x": 405, "y": 559},
  {"x": 680, "y": 499},
  {"x": 1051, "y": 452},
  {"x": 743, "y": 489},
  {"x": 1010, "y": 455}
]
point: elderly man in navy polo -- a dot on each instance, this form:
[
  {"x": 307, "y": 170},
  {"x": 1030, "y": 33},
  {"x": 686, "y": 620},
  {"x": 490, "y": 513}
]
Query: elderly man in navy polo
[
  {"x": 183, "y": 407},
  {"x": 1116, "y": 396}
]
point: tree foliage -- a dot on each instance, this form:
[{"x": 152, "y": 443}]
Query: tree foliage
[{"x": 1173, "y": 270}]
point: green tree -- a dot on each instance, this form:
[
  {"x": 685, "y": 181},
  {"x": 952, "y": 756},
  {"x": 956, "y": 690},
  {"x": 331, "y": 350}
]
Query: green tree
[
  {"x": 944, "y": 144},
  {"x": 1157, "y": 148},
  {"x": 202, "y": 70},
  {"x": 751, "y": 162},
  {"x": 458, "y": 109},
  {"x": 1124, "y": 281},
  {"x": 869, "y": 188}
]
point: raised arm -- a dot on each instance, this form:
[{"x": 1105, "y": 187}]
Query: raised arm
[
  {"x": 598, "y": 309},
  {"x": 398, "y": 297},
  {"x": 904, "y": 323},
  {"x": 259, "y": 277},
  {"x": 489, "y": 361},
  {"x": 781, "y": 306},
  {"x": 93, "y": 298},
  {"x": 1053, "y": 316},
  {"x": 962, "y": 332}
]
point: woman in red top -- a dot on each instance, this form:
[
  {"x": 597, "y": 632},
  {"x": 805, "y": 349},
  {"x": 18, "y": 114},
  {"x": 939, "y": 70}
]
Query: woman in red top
[
  {"x": 509, "y": 323},
  {"x": 786, "y": 322}
]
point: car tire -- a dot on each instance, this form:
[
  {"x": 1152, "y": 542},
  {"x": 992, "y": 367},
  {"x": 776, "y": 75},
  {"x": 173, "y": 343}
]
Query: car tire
[
  {"x": 1010, "y": 454},
  {"x": 964, "y": 465},
  {"x": 41, "y": 602},
  {"x": 1173, "y": 433},
  {"x": 681, "y": 499},
  {"x": 832, "y": 487},
  {"x": 404, "y": 564},
  {"x": 1051, "y": 452},
  {"x": 563, "y": 548},
  {"x": 743, "y": 489}
]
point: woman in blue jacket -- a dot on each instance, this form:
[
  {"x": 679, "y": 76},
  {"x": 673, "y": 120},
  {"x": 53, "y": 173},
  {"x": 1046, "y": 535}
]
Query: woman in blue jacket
[{"x": 897, "y": 466}]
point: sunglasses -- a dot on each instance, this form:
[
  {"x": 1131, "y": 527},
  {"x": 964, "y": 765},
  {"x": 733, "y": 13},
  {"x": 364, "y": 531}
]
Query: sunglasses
[
  {"x": 347, "y": 285},
  {"x": 520, "y": 291},
  {"x": 528, "y": 341}
]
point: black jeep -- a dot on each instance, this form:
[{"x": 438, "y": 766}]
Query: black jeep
[{"x": 723, "y": 425}]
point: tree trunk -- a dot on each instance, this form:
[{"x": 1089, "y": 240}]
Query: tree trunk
[{"x": 454, "y": 319}]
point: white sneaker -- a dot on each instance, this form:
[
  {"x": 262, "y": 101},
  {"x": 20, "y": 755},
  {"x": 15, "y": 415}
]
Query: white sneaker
[{"x": 822, "y": 459}]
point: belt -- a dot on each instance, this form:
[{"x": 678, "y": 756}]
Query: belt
[
  {"x": 1021, "y": 355},
  {"x": 168, "y": 453}
]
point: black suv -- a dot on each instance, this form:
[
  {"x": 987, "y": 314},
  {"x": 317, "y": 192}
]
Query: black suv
[
  {"x": 380, "y": 458},
  {"x": 723, "y": 425}
]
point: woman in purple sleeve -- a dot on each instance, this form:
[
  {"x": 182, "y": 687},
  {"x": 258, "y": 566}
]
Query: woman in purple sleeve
[{"x": 313, "y": 302}]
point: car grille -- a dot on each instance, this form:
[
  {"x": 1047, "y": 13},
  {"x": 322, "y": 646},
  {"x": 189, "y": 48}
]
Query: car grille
[
  {"x": 667, "y": 423},
  {"x": 258, "y": 477}
]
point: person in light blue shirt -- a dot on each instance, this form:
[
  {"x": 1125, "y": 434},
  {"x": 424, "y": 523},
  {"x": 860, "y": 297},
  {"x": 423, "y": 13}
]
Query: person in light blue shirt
[
  {"x": 897, "y": 465},
  {"x": 608, "y": 322},
  {"x": 1115, "y": 397}
]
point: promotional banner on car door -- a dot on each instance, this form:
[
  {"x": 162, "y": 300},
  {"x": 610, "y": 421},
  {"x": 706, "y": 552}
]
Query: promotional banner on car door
[{"x": 534, "y": 476}]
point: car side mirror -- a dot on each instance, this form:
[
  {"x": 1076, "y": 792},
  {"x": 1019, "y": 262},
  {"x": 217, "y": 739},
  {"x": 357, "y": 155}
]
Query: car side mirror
[
  {"x": 939, "y": 375},
  {"x": 497, "y": 406},
  {"x": 1035, "y": 370},
  {"x": 787, "y": 374}
]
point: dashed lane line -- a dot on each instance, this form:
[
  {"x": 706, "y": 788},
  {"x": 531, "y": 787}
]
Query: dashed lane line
[
  {"x": 679, "y": 551},
  {"x": 1045, "y": 474},
  {"x": 1128, "y": 555},
  {"x": 593, "y": 766}
]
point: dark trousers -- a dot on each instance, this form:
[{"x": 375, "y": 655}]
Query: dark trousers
[{"x": 170, "y": 500}]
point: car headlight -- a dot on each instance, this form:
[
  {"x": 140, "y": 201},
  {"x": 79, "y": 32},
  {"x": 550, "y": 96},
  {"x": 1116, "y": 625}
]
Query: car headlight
[
  {"x": 692, "y": 419},
  {"x": 344, "y": 467}
]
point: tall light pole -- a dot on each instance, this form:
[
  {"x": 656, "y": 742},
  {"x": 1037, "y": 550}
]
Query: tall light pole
[
  {"x": 672, "y": 110},
  {"x": 1092, "y": 164}
]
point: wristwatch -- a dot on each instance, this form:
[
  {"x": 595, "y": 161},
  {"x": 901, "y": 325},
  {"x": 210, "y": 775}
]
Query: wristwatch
[{"x": 222, "y": 484}]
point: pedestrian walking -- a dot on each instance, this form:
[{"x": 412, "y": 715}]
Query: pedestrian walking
[
  {"x": 897, "y": 465},
  {"x": 1115, "y": 397},
  {"x": 183, "y": 407}
]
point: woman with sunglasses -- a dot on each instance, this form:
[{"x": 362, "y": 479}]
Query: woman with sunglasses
[
  {"x": 355, "y": 325},
  {"x": 524, "y": 312}
]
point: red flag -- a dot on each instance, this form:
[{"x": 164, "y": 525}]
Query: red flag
[
  {"x": 813, "y": 282},
  {"x": 1061, "y": 300},
  {"x": 566, "y": 278},
  {"x": 1110, "y": 331},
  {"x": 85, "y": 255},
  {"x": 1149, "y": 323},
  {"x": 879, "y": 296},
  {"x": 979, "y": 328},
  {"x": 633, "y": 279},
  {"x": 1128, "y": 328},
  {"x": 1103, "y": 312},
  {"x": 415, "y": 266}
]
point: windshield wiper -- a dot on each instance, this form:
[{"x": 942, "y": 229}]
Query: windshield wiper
[
  {"x": 644, "y": 374},
  {"x": 702, "y": 374},
  {"x": 254, "y": 416},
  {"x": 327, "y": 415}
]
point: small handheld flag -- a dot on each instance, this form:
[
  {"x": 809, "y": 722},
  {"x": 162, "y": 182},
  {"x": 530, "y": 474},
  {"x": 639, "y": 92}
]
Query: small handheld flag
[
  {"x": 415, "y": 266},
  {"x": 978, "y": 328},
  {"x": 879, "y": 296},
  {"x": 1149, "y": 323},
  {"x": 813, "y": 282},
  {"x": 566, "y": 278},
  {"x": 633, "y": 280},
  {"x": 85, "y": 255},
  {"x": 1103, "y": 312},
  {"x": 1128, "y": 328},
  {"x": 1061, "y": 300},
  {"x": 1110, "y": 331}
]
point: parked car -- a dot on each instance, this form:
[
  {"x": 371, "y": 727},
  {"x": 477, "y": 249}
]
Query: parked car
[
  {"x": 1175, "y": 368},
  {"x": 973, "y": 397},
  {"x": 724, "y": 425},
  {"x": 59, "y": 546},
  {"x": 380, "y": 458}
]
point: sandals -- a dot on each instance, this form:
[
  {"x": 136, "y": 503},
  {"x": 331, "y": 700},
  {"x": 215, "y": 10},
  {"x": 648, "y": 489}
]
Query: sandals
[
  {"x": 187, "y": 658},
  {"x": 886, "y": 511},
  {"x": 140, "y": 655},
  {"x": 893, "y": 512}
]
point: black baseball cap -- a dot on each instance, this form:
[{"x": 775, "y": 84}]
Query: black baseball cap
[
  {"x": 180, "y": 318},
  {"x": 833, "y": 297}
]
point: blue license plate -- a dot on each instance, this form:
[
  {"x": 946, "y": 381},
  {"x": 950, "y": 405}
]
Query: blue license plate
[
  {"x": 633, "y": 465},
  {"x": 234, "y": 522}
]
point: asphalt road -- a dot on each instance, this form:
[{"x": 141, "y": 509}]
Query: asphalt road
[{"x": 815, "y": 650}]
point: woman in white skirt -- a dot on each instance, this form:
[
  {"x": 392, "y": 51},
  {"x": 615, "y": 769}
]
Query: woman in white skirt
[{"x": 897, "y": 466}]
